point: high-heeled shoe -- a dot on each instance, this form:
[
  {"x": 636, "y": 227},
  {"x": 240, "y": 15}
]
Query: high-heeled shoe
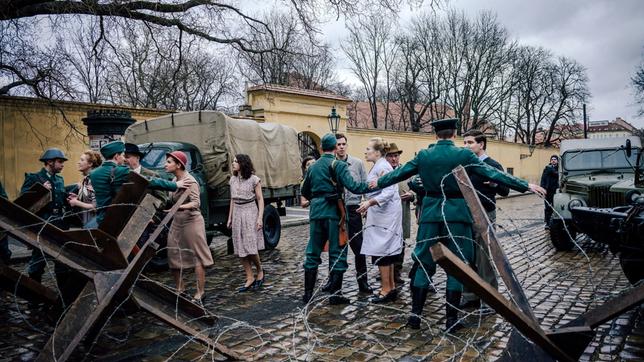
[
  {"x": 259, "y": 282},
  {"x": 381, "y": 299},
  {"x": 246, "y": 288}
]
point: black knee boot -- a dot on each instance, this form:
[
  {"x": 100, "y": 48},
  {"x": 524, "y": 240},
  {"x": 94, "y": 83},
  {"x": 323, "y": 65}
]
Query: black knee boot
[
  {"x": 336, "y": 290},
  {"x": 310, "y": 276},
  {"x": 328, "y": 286},
  {"x": 418, "y": 298},
  {"x": 451, "y": 312}
]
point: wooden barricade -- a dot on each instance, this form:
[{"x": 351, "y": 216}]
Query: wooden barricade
[{"x": 101, "y": 255}]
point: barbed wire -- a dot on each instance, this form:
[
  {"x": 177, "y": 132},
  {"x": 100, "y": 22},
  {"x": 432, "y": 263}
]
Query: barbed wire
[{"x": 459, "y": 344}]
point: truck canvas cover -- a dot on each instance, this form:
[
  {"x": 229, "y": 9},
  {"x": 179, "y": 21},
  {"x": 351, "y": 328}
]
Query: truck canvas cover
[{"x": 273, "y": 148}]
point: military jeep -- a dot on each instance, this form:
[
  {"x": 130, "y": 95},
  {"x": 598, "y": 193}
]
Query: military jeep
[
  {"x": 621, "y": 227},
  {"x": 593, "y": 173}
]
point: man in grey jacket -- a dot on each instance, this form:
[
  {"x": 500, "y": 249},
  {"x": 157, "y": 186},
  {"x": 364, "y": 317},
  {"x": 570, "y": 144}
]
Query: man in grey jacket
[{"x": 354, "y": 219}]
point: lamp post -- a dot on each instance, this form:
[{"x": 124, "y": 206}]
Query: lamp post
[{"x": 334, "y": 121}]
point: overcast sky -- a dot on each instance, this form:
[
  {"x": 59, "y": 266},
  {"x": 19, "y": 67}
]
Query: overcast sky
[{"x": 606, "y": 36}]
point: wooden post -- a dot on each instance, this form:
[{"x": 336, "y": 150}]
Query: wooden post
[
  {"x": 485, "y": 228},
  {"x": 529, "y": 328}
]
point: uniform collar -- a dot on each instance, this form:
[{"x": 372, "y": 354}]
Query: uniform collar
[
  {"x": 109, "y": 162},
  {"x": 328, "y": 155},
  {"x": 46, "y": 173},
  {"x": 445, "y": 142}
]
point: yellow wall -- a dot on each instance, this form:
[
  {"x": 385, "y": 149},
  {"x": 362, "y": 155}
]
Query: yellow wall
[{"x": 29, "y": 126}]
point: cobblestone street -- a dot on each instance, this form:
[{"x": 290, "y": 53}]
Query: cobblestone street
[{"x": 271, "y": 324}]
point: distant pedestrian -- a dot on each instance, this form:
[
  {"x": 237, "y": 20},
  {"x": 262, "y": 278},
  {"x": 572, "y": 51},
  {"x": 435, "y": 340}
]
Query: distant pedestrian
[
  {"x": 245, "y": 218},
  {"x": 383, "y": 230},
  {"x": 85, "y": 198},
  {"x": 187, "y": 245},
  {"x": 550, "y": 182}
]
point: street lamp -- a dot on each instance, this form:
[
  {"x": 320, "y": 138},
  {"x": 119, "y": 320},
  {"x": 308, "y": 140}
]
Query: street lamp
[{"x": 334, "y": 121}]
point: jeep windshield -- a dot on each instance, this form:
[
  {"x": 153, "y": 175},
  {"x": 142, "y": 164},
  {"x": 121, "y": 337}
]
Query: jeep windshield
[{"x": 599, "y": 160}]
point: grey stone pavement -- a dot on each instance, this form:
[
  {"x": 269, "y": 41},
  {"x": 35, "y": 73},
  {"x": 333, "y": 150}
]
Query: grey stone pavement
[{"x": 272, "y": 323}]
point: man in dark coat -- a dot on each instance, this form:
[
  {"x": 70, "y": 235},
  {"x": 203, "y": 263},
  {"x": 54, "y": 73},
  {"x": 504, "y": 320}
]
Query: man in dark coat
[
  {"x": 487, "y": 190},
  {"x": 550, "y": 182}
]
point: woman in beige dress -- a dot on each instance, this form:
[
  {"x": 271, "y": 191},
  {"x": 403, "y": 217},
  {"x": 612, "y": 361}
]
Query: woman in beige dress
[
  {"x": 85, "y": 198},
  {"x": 245, "y": 218},
  {"x": 187, "y": 245}
]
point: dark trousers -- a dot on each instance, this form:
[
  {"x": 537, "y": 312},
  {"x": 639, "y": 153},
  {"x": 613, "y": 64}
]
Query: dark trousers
[
  {"x": 355, "y": 235},
  {"x": 547, "y": 211}
]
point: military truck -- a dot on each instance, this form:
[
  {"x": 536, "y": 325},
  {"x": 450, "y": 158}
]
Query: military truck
[
  {"x": 210, "y": 140},
  {"x": 620, "y": 227},
  {"x": 592, "y": 173}
]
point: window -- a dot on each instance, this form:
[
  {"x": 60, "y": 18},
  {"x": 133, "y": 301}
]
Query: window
[{"x": 510, "y": 170}]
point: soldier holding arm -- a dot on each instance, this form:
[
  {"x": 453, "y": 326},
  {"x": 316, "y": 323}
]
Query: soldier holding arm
[
  {"x": 323, "y": 185},
  {"x": 445, "y": 214}
]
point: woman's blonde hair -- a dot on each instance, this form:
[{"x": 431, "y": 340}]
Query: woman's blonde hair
[
  {"x": 380, "y": 145},
  {"x": 93, "y": 157}
]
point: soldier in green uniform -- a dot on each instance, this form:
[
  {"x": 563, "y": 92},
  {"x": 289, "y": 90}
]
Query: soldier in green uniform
[
  {"x": 323, "y": 186},
  {"x": 53, "y": 161},
  {"x": 108, "y": 178},
  {"x": 445, "y": 216}
]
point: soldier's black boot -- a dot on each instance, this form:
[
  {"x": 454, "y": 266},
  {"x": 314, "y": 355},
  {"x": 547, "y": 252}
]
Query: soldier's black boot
[
  {"x": 327, "y": 287},
  {"x": 336, "y": 290},
  {"x": 418, "y": 298},
  {"x": 310, "y": 276},
  {"x": 363, "y": 285},
  {"x": 451, "y": 312}
]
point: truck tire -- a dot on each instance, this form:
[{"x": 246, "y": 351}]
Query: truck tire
[
  {"x": 632, "y": 263},
  {"x": 559, "y": 237},
  {"x": 272, "y": 227}
]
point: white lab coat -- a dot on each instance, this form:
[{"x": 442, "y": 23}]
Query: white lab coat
[{"x": 383, "y": 231}]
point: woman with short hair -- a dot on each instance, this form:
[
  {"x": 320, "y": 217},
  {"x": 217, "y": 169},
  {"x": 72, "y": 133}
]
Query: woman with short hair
[
  {"x": 382, "y": 232},
  {"x": 187, "y": 244},
  {"x": 245, "y": 218}
]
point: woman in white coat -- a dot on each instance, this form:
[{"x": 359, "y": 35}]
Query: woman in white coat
[{"x": 382, "y": 233}]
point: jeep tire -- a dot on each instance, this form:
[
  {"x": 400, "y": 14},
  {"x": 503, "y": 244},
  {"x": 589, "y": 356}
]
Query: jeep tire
[
  {"x": 272, "y": 227},
  {"x": 559, "y": 237}
]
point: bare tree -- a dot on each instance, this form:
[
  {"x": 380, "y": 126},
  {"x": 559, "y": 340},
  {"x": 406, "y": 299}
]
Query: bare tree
[
  {"x": 637, "y": 82},
  {"x": 548, "y": 96},
  {"x": 301, "y": 60},
  {"x": 365, "y": 46},
  {"x": 155, "y": 71}
]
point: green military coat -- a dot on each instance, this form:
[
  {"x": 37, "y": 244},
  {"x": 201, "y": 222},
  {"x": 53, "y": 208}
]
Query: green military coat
[
  {"x": 107, "y": 180},
  {"x": 318, "y": 185},
  {"x": 432, "y": 164},
  {"x": 58, "y": 192}
]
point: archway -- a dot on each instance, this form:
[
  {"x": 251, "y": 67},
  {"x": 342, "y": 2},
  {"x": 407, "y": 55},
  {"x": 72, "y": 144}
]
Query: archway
[{"x": 309, "y": 144}]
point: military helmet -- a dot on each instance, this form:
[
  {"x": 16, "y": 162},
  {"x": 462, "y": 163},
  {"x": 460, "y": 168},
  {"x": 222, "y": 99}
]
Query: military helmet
[{"x": 52, "y": 154}]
